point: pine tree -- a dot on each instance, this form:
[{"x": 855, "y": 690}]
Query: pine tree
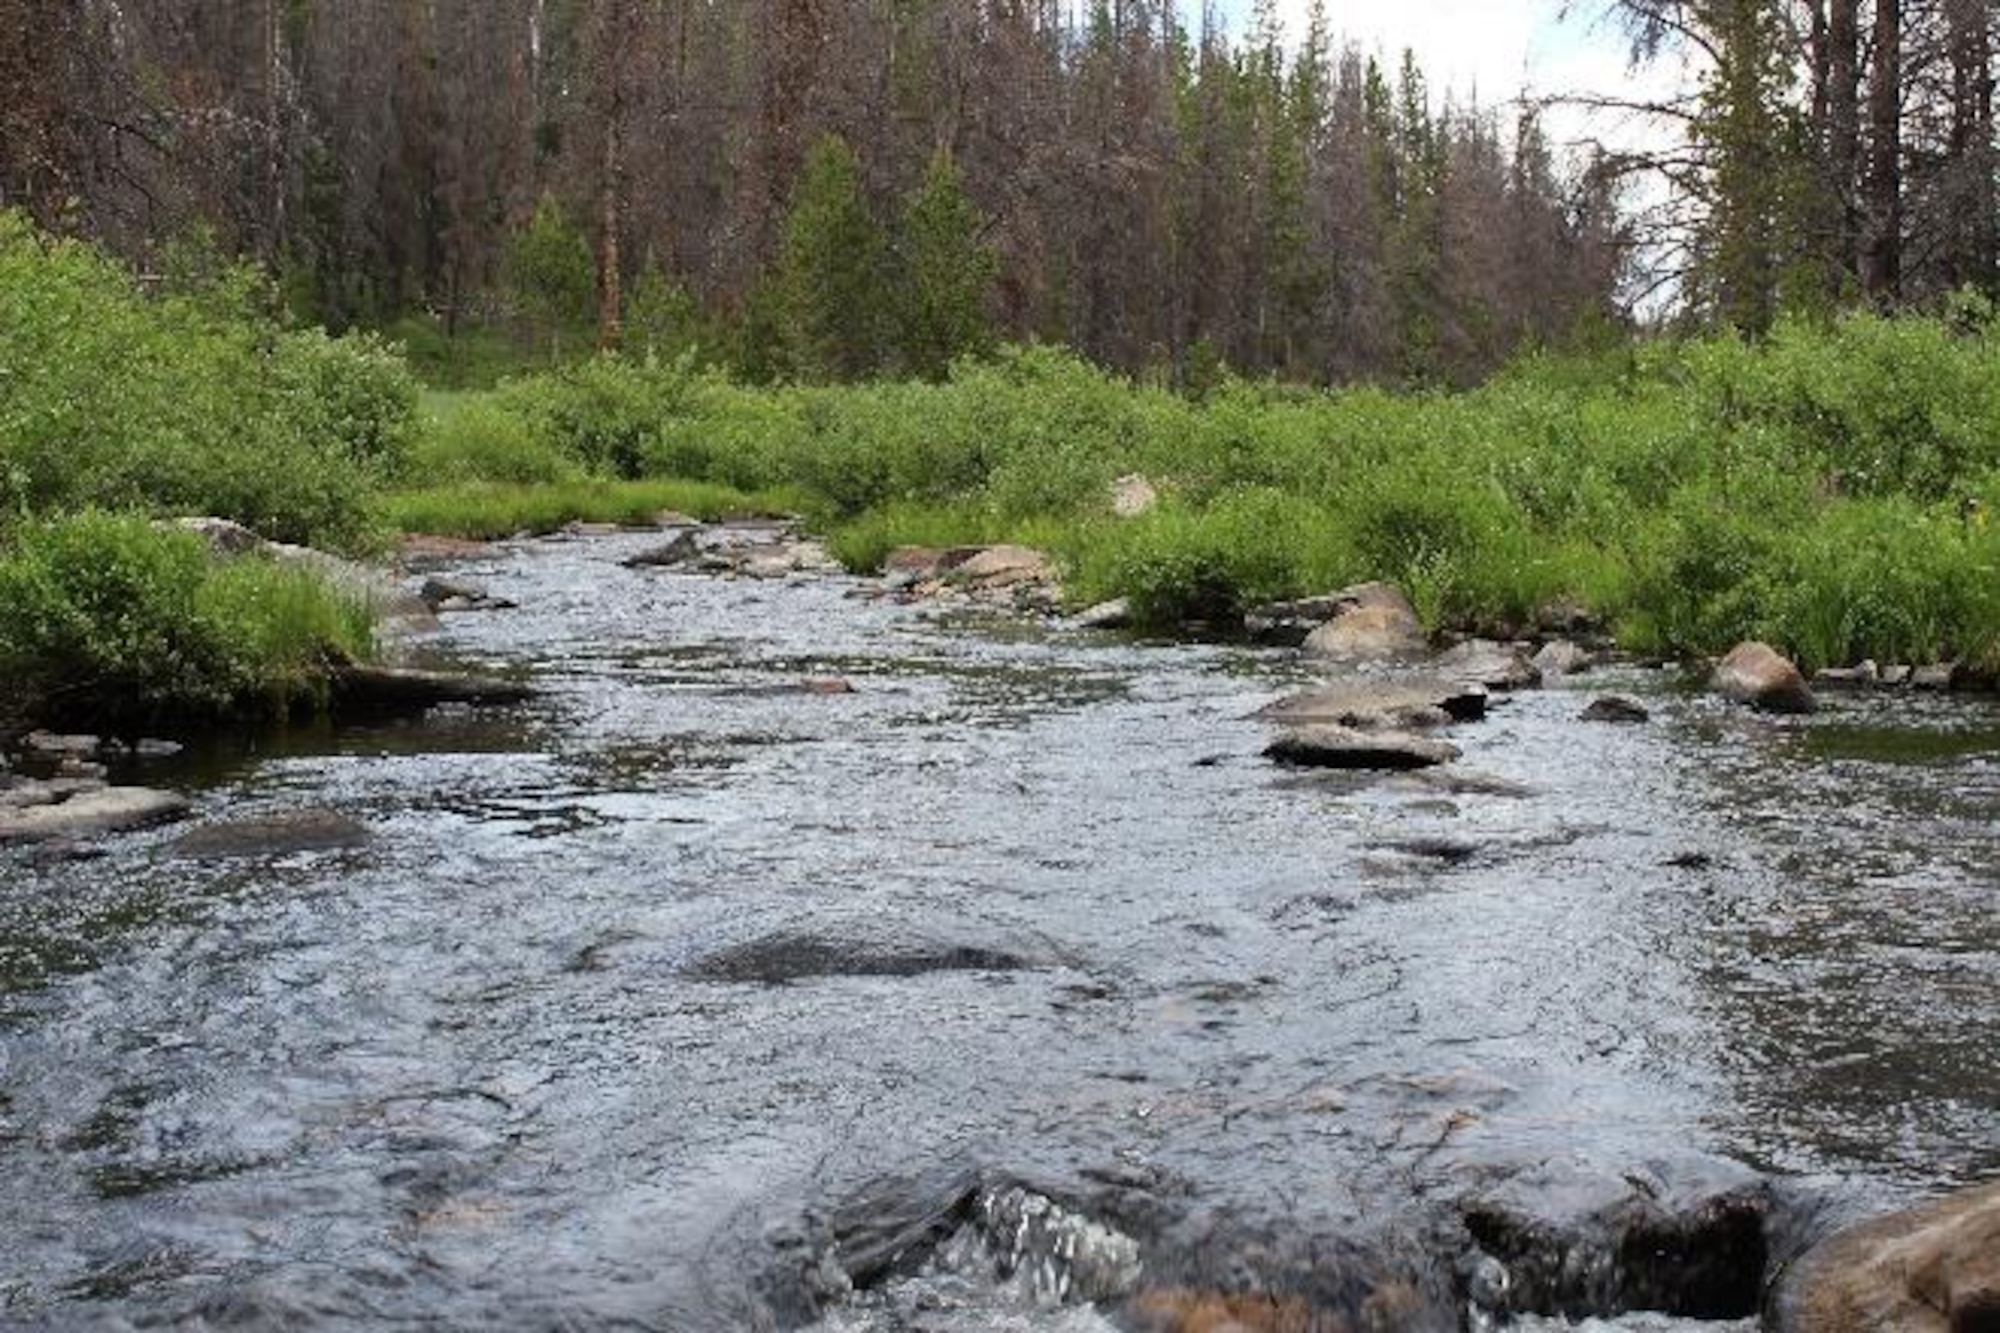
[
  {"x": 832, "y": 270},
  {"x": 552, "y": 274},
  {"x": 947, "y": 273}
]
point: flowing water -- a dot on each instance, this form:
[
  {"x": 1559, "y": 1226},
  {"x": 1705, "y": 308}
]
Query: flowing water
[{"x": 686, "y": 999}]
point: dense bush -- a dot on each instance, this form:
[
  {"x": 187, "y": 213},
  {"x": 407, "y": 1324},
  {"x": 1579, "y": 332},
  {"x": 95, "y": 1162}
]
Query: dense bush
[
  {"x": 1815, "y": 489},
  {"x": 188, "y": 402},
  {"x": 110, "y": 618}
]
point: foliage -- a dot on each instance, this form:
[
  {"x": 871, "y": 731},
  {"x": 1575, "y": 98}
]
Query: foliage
[
  {"x": 551, "y": 273},
  {"x": 832, "y": 270},
  {"x": 130, "y": 623},
  {"x": 184, "y": 403},
  {"x": 946, "y": 274},
  {"x": 488, "y": 511}
]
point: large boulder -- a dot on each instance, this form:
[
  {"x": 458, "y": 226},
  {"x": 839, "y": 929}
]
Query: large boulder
[
  {"x": 1290, "y": 624},
  {"x": 377, "y": 589},
  {"x": 1375, "y": 622},
  {"x": 1005, "y": 566},
  {"x": 1497, "y": 666},
  {"x": 1760, "y": 676},
  {"x": 1330, "y": 746},
  {"x": 90, "y": 811},
  {"x": 1933, "y": 1269}
]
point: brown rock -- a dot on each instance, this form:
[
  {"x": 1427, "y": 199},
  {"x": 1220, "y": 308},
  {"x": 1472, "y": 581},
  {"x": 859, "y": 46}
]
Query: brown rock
[
  {"x": 1005, "y": 566},
  {"x": 1377, "y": 705},
  {"x": 1497, "y": 666},
  {"x": 1330, "y": 746},
  {"x": 1369, "y": 633},
  {"x": 1933, "y": 1269},
  {"x": 1760, "y": 676}
]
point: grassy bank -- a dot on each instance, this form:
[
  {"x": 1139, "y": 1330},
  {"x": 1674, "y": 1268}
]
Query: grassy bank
[
  {"x": 1827, "y": 490},
  {"x": 118, "y": 404},
  {"x": 109, "y": 621}
]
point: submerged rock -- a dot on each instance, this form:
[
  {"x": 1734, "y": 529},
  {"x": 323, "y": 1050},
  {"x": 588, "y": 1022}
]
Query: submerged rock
[
  {"x": 274, "y": 835},
  {"x": 1615, "y": 708},
  {"x": 1933, "y": 1269},
  {"x": 799, "y": 955},
  {"x": 1760, "y": 676},
  {"x": 91, "y": 811},
  {"x": 1330, "y": 746},
  {"x": 683, "y": 549},
  {"x": 404, "y": 689},
  {"x": 443, "y": 595}
]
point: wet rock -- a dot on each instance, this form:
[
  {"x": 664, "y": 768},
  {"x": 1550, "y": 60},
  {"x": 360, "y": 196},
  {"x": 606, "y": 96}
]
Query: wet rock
[
  {"x": 1367, "y": 705},
  {"x": 1376, "y": 622},
  {"x": 418, "y": 550},
  {"x": 1116, "y": 614},
  {"x": 1937, "y": 676},
  {"x": 1864, "y": 676},
  {"x": 1133, "y": 495},
  {"x": 445, "y": 595},
  {"x": 20, "y": 793},
  {"x": 1345, "y": 747},
  {"x": 153, "y": 749},
  {"x": 1287, "y": 624},
  {"x": 779, "y": 560},
  {"x": 274, "y": 835},
  {"x": 684, "y": 549},
  {"x": 1616, "y": 708},
  {"x": 788, "y": 956},
  {"x": 908, "y": 566},
  {"x": 1497, "y": 666},
  {"x": 826, "y": 686},
  {"x": 52, "y": 745},
  {"x": 1932, "y": 1269},
  {"x": 1562, "y": 658},
  {"x": 1578, "y": 1246},
  {"x": 1977, "y": 677},
  {"x": 406, "y": 690},
  {"x": 1760, "y": 676},
  {"x": 91, "y": 811},
  {"x": 1566, "y": 616}
]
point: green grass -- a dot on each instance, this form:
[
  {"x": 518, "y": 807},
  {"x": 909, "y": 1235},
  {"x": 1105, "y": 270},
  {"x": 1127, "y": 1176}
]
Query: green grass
[
  {"x": 113, "y": 621},
  {"x": 487, "y": 510}
]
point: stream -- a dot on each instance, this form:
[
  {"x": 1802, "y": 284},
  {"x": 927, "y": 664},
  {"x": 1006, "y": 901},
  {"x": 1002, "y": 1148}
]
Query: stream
[{"x": 1013, "y": 989}]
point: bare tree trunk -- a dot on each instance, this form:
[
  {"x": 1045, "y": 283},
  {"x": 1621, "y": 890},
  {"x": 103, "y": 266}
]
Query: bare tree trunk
[
  {"x": 1975, "y": 256},
  {"x": 1882, "y": 251},
  {"x": 1843, "y": 126}
]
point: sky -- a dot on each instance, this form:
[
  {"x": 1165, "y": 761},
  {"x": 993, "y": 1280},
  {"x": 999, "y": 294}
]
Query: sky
[{"x": 1498, "y": 48}]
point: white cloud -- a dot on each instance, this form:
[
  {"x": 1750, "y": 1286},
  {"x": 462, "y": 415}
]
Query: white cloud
[{"x": 1500, "y": 49}]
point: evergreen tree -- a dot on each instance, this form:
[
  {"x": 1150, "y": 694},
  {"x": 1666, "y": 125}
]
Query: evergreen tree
[
  {"x": 662, "y": 318},
  {"x": 832, "y": 272},
  {"x": 947, "y": 273},
  {"x": 552, "y": 274}
]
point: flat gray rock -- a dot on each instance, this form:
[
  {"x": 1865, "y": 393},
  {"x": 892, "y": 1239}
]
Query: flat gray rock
[
  {"x": 274, "y": 835},
  {"x": 104, "y": 810},
  {"x": 1346, "y": 747},
  {"x": 1368, "y": 705}
]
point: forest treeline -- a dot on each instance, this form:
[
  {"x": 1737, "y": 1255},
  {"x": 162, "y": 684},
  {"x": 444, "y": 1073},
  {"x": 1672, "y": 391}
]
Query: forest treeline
[{"x": 1156, "y": 196}]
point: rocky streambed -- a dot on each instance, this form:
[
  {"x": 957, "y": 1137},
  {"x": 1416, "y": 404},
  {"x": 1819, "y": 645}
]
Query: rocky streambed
[{"x": 799, "y": 955}]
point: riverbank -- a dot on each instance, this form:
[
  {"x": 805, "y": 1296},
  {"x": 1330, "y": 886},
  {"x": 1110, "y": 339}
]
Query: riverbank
[{"x": 1828, "y": 491}]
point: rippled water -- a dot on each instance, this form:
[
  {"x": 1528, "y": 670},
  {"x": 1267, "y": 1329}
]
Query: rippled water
[{"x": 647, "y": 1000}]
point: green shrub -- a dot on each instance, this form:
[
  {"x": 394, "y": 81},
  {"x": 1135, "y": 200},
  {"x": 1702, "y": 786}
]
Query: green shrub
[
  {"x": 605, "y": 413},
  {"x": 183, "y": 403},
  {"x": 107, "y": 617},
  {"x": 475, "y": 439}
]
